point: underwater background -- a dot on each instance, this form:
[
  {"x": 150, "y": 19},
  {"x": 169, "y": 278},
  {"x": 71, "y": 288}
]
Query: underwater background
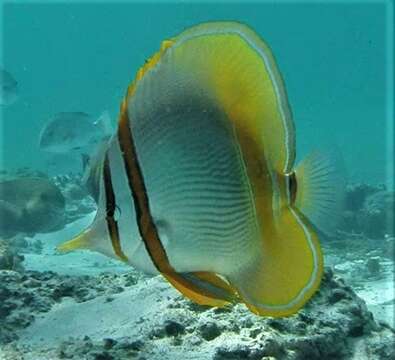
[{"x": 336, "y": 59}]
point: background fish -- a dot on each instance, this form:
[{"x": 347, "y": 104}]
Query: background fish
[
  {"x": 8, "y": 88},
  {"x": 199, "y": 182},
  {"x": 75, "y": 132},
  {"x": 30, "y": 205}
]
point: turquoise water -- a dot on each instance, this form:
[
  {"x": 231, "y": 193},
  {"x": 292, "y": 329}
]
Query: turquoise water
[{"x": 334, "y": 57}]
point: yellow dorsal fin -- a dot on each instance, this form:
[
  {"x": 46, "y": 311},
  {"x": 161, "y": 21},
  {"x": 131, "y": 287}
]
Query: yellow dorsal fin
[{"x": 233, "y": 63}]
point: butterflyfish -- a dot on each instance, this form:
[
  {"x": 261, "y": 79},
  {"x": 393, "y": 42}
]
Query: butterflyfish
[{"x": 199, "y": 182}]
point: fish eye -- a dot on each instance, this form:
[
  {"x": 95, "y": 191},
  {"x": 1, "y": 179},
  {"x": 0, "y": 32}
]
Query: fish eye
[{"x": 117, "y": 213}]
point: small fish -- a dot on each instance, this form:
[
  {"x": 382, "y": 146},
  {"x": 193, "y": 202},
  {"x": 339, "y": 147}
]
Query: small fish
[
  {"x": 8, "y": 88},
  {"x": 199, "y": 183},
  {"x": 75, "y": 132}
]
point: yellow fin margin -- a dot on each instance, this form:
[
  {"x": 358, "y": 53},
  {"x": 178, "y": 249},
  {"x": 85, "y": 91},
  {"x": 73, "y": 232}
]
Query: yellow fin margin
[
  {"x": 149, "y": 64},
  {"x": 236, "y": 65},
  {"x": 288, "y": 272}
]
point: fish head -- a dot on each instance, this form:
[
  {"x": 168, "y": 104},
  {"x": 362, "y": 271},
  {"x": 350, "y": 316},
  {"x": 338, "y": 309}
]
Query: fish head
[
  {"x": 95, "y": 237},
  {"x": 102, "y": 235}
]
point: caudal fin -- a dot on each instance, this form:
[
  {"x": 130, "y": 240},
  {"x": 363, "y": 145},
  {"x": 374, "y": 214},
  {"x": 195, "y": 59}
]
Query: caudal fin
[{"x": 321, "y": 190}]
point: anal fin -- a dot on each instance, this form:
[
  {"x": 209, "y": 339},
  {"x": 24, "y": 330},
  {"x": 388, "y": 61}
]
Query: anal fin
[
  {"x": 204, "y": 288},
  {"x": 287, "y": 272}
]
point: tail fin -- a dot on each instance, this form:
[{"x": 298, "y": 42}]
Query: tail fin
[{"x": 321, "y": 189}]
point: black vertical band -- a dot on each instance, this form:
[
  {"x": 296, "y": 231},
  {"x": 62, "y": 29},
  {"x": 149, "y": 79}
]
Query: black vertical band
[{"x": 112, "y": 224}]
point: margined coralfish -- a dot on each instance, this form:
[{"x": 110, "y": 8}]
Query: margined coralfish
[{"x": 201, "y": 171}]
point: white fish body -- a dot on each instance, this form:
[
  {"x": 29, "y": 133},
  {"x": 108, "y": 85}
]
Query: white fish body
[{"x": 198, "y": 182}]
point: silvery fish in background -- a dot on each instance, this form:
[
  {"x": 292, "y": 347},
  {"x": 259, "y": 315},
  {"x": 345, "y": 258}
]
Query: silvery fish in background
[
  {"x": 199, "y": 182},
  {"x": 78, "y": 132},
  {"x": 8, "y": 88}
]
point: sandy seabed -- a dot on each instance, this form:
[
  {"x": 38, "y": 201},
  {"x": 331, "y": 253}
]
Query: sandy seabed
[{"x": 85, "y": 306}]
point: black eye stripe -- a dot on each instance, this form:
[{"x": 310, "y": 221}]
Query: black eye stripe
[{"x": 112, "y": 224}]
